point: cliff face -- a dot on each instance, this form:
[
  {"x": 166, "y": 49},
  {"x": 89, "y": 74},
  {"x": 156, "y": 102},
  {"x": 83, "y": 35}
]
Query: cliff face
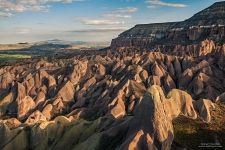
[
  {"x": 213, "y": 15},
  {"x": 207, "y": 24}
]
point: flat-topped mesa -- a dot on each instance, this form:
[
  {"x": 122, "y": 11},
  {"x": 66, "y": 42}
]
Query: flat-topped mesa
[
  {"x": 142, "y": 35},
  {"x": 207, "y": 24},
  {"x": 146, "y": 30}
]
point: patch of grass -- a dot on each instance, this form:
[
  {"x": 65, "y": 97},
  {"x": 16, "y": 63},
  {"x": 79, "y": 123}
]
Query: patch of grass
[
  {"x": 14, "y": 56},
  {"x": 8, "y": 58},
  {"x": 14, "y": 46},
  {"x": 193, "y": 134},
  {"x": 111, "y": 142}
]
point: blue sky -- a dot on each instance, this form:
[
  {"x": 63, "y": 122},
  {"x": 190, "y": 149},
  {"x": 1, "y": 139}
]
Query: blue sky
[{"x": 86, "y": 20}]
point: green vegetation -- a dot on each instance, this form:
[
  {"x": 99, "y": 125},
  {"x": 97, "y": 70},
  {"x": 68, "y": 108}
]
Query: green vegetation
[
  {"x": 111, "y": 142},
  {"x": 14, "y": 46},
  {"x": 195, "y": 134},
  {"x": 15, "y": 56},
  {"x": 8, "y": 58},
  {"x": 15, "y": 53}
]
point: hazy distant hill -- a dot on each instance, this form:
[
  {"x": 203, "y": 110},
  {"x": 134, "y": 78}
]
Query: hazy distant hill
[
  {"x": 14, "y": 46},
  {"x": 75, "y": 44}
]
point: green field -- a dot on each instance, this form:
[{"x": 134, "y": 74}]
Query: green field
[
  {"x": 14, "y": 46},
  {"x": 8, "y": 58}
]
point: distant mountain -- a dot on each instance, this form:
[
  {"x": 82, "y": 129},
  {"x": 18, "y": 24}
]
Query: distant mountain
[
  {"x": 74, "y": 44},
  {"x": 61, "y": 42}
]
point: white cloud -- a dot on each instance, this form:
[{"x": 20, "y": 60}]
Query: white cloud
[
  {"x": 151, "y": 6},
  {"x": 5, "y": 14},
  {"x": 121, "y": 13},
  {"x": 9, "y": 7},
  {"x": 153, "y": 3},
  {"x": 23, "y": 31},
  {"x": 111, "y": 15},
  {"x": 100, "y": 30},
  {"x": 101, "y": 22},
  {"x": 115, "y": 17},
  {"x": 126, "y": 10}
]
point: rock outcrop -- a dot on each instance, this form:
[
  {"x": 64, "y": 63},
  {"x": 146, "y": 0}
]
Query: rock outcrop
[
  {"x": 150, "y": 127},
  {"x": 113, "y": 89}
]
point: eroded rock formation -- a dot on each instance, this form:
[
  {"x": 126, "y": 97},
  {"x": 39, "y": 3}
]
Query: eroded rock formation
[
  {"x": 149, "y": 128},
  {"x": 124, "y": 98},
  {"x": 114, "y": 88}
]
